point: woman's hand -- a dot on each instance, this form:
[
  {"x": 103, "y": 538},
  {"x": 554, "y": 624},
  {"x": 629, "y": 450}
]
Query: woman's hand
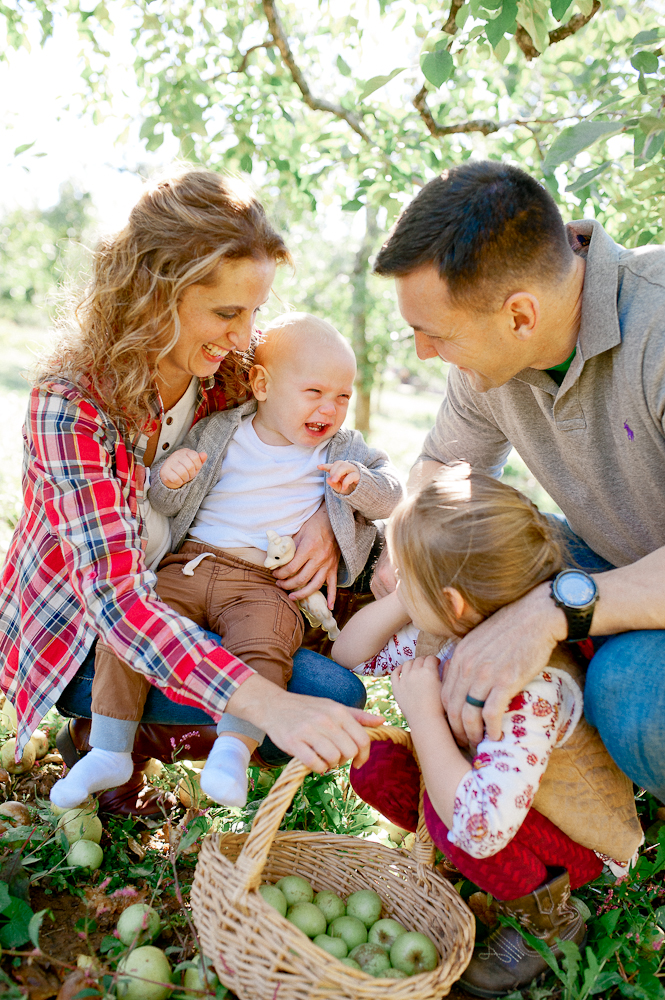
[
  {"x": 417, "y": 687},
  {"x": 315, "y": 561},
  {"x": 383, "y": 581},
  {"x": 319, "y": 732},
  {"x": 181, "y": 467},
  {"x": 496, "y": 660}
]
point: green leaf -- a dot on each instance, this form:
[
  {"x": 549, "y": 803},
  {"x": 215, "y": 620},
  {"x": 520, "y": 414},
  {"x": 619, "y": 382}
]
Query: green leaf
[
  {"x": 376, "y": 82},
  {"x": 35, "y": 924},
  {"x": 24, "y": 147},
  {"x": 461, "y": 15},
  {"x": 437, "y": 66},
  {"x": 246, "y": 163},
  {"x": 587, "y": 177},
  {"x": 5, "y": 898},
  {"x": 559, "y": 8},
  {"x": 343, "y": 67},
  {"x": 504, "y": 24},
  {"x": 532, "y": 15},
  {"x": 649, "y": 124},
  {"x": 502, "y": 49},
  {"x": 642, "y": 85},
  {"x": 17, "y": 931},
  {"x": 647, "y": 37},
  {"x": 645, "y": 62},
  {"x": 155, "y": 141},
  {"x": 577, "y": 138}
]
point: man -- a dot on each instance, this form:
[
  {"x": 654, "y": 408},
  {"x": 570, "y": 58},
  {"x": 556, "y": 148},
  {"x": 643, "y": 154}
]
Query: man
[
  {"x": 556, "y": 340},
  {"x": 491, "y": 281}
]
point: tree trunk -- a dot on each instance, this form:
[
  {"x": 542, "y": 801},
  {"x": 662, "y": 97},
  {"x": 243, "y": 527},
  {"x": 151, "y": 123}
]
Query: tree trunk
[{"x": 360, "y": 305}]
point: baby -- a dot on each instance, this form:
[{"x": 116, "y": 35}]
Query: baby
[{"x": 266, "y": 465}]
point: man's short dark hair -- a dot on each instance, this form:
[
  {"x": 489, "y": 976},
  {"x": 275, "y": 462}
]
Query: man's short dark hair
[{"x": 485, "y": 226}]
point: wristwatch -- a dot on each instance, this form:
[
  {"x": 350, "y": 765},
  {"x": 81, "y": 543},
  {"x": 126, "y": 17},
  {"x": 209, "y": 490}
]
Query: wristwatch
[{"x": 575, "y": 592}]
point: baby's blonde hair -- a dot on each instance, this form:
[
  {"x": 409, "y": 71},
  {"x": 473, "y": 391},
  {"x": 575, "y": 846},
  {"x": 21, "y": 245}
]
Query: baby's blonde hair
[{"x": 469, "y": 531}]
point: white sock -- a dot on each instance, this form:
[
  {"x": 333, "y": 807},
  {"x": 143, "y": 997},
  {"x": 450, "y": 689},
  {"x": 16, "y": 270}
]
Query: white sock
[
  {"x": 97, "y": 771},
  {"x": 224, "y": 777}
]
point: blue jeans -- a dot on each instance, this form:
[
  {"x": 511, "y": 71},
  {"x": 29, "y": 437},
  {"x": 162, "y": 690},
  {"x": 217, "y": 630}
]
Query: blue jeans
[
  {"x": 313, "y": 674},
  {"x": 624, "y": 695}
]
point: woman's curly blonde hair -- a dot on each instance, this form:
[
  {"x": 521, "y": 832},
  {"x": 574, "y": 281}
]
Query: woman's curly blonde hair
[{"x": 180, "y": 231}]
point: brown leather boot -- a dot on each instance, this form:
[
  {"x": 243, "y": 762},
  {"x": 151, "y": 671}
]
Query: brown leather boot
[
  {"x": 136, "y": 797},
  {"x": 504, "y": 962}
]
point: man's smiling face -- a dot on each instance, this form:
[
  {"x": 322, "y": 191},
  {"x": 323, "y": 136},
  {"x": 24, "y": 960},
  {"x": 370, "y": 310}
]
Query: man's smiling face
[{"x": 480, "y": 344}]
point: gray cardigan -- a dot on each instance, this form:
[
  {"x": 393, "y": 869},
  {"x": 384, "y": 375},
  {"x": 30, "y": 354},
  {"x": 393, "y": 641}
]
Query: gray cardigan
[{"x": 376, "y": 495}]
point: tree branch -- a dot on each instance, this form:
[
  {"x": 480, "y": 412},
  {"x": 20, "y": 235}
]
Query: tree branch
[
  {"x": 450, "y": 27},
  {"x": 261, "y": 45},
  {"x": 315, "y": 103},
  {"x": 477, "y": 125},
  {"x": 577, "y": 21}
]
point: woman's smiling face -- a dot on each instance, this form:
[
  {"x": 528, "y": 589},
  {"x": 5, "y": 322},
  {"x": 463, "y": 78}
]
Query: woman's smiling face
[{"x": 217, "y": 318}]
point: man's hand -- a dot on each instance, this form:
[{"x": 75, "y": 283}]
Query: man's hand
[
  {"x": 383, "y": 580},
  {"x": 315, "y": 561},
  {"x": 417, "y": 687},
  {"x": 343, "y": 477},
  {"x": 319, "y": 732},
  {"x": 181, "y": 467},
  {"x": 496, "y": 660}
]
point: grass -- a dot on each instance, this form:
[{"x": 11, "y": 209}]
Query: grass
[{"x": 73, "y": 912}]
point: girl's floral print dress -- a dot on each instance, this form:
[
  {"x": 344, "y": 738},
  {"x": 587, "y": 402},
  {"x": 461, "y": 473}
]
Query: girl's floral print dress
[{"x": 493, "y": 799}]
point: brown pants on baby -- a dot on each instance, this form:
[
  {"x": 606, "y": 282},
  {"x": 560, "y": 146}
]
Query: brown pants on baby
[{"x": 239, "y": 601}]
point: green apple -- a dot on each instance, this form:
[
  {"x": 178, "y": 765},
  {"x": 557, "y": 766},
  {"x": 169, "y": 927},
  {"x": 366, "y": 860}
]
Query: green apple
[
  {"x": 274, "y": 897},
  {"x": 330, "y": 905},
  {"x": 352, "y": 964},
  {"x": 198, "y": 980},
  {"x": 85, "y": 854},
  {"x": 351, "y": 930},
  {"x": 334, "y": 946},
  {"x": 372, "y": 958},
  {"x": 78, "y": 824},
  {"x": 413, "y": 953},
  {"x": 295, "y": 889},
  {"x": 138, "y": 923},
  {"x": 144, "y": 974},
  {"x": 385, "y": 932},
  {"x": 365, "y": 905},
  {"x": 394, "y": 974},
  {"x": 308, "y": 918}
]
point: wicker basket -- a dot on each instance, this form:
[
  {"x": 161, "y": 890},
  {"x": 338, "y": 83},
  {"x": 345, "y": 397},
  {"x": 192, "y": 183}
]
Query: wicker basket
[{"x": 260, "y": 955}]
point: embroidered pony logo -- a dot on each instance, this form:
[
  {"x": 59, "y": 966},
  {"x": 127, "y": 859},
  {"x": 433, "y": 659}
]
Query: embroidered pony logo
[{"x": 629, "y": 431}]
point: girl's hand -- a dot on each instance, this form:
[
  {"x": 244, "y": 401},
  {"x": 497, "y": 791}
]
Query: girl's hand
[
  {"x": 181, "y": 467},
  {"x": 343, "y": 476},
  {"x": 417, "y": 687}
]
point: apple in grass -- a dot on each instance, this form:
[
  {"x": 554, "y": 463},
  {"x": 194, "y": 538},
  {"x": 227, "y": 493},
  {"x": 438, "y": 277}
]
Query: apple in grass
[
  {"x": 295, "y": 889},
  {"x": 385, "y": 932},
  {"x": 366, "y": 905},
  {"x": 308, "y": 918},
  {"x": 372, "y": 958},
  {"x": 330, "y": 905},
  {"x": 413, "y": 953},
  {"x": 351, "y": 930}
]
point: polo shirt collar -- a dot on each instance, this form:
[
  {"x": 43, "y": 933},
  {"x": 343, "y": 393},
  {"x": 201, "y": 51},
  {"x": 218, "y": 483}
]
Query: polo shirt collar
[{"x": 599, "y": 322}]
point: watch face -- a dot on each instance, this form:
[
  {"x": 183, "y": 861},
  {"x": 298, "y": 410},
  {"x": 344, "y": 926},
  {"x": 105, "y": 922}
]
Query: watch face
[{"x": 576, "y": 589}]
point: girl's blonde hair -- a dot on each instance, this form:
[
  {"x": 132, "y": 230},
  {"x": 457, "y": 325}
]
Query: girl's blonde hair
[
  {"x": 469, "y": 531},
  {"x": 178, "y": 234}
]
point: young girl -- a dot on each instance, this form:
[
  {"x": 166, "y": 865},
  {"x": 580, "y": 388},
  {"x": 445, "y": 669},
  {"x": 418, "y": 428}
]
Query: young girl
[{"x": 528, "y": 817}]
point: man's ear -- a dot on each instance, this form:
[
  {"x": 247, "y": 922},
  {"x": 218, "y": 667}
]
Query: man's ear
[
  {"x": 258, "y": 379},
  {"x": 523, "y": 313}
]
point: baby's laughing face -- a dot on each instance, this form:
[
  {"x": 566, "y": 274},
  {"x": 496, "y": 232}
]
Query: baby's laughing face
[{"x": 305, "y": 399}]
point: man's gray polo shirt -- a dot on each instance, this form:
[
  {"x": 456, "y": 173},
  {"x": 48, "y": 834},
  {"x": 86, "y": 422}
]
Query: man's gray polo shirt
[{"x": 597, "y": 442}]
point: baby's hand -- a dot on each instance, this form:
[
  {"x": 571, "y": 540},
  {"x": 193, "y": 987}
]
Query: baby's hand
[
  {"x": 417, "y": 687},
  {"x": 343, "y": 477},
  {"x": 181, "y": 467}
]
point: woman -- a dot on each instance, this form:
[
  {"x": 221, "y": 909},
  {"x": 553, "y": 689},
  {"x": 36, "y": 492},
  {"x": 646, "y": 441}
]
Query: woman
[{"x": 169, "y": 311}]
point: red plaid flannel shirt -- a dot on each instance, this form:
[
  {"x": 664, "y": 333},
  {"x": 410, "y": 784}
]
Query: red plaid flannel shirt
[{"x": 75, "y": 569}]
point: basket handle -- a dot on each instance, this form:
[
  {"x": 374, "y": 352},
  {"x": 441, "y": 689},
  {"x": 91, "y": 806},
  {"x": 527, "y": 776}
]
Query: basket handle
[{"x": 254, "y": 854}]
